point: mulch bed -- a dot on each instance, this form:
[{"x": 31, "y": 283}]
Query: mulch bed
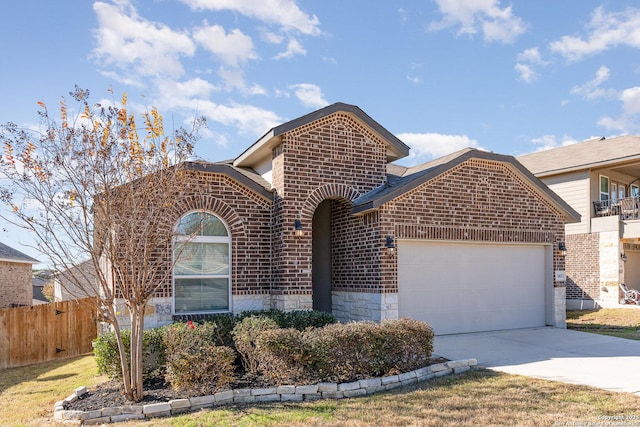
[{"x": 109, "y": 394}]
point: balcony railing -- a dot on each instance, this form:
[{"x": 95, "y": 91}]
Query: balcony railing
[{"x": 627, "y": 208}]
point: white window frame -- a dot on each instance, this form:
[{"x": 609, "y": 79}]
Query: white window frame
[
  {"x": 635, "y": 190},
  {"x": 201, "y": 239},
  {"x": 614, "y": 192},
  {"x": 605, "y": 193}
]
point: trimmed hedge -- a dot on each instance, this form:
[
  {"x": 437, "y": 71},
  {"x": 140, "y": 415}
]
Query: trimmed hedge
[
  {"x": 195, "y": 363},
  {"x": 283, "y": 348},
  {"x": 344, "y": 352},
  {"x": 105, "y": 350}
]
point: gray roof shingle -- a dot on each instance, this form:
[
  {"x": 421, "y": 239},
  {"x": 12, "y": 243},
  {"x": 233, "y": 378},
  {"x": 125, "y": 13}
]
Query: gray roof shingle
[
  {"x": 592, "y": 153},
  {"x": 7, "y": 253}
]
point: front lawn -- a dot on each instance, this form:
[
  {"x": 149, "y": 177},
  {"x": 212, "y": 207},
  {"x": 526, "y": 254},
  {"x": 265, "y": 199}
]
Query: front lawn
[
  {"x": 474, "y": 398},
  {"x": 617, "y": 322}
]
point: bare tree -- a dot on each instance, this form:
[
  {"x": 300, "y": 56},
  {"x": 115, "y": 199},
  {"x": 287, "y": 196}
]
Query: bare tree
[{"x": 89, "y": 186}]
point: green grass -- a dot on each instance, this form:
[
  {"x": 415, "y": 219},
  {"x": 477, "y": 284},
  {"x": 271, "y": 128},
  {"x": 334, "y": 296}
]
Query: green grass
[
  {"x": 474, "y": 398},
  {"x": 27, "y": 394},
  {"x": 617, "y": 322}
]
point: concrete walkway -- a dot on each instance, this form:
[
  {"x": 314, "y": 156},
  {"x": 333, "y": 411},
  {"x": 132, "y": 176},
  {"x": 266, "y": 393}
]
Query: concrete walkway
[{"x": 551, "y": 354}]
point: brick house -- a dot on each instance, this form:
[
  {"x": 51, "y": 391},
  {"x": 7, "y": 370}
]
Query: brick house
[
  {"x": 315, "y": 214},
  {"x": 15, "y": 277},
  {"x": 600, "y": 179}
]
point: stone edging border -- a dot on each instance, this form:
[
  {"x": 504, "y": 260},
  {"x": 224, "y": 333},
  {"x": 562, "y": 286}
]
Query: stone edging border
[{"x": 283, "y": 393}]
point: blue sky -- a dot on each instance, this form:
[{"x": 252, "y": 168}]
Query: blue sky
[{"x": 509, "y": 77}]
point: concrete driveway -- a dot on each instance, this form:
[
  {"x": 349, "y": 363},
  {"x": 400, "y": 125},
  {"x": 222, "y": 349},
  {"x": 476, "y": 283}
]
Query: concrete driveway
[{"x": 551, "y": 354}]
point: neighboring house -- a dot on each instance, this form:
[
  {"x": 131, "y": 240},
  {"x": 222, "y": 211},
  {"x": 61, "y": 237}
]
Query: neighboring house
[
  {"x": 15, "y": 277},
  {"x": 600, "y": 179},
  {"x": 38, "y": 282},
  {"x": 79, "y": 281},
  {"x": 315, "y": 214}
]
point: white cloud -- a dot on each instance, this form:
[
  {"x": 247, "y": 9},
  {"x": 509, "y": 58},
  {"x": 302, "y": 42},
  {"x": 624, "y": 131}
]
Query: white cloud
[
  {"x": 425, "y": 146},
  {"x": 629, "y": 120},
  {"x": 592, "y": 89},
  {"x": 485, "y": 16},
  {"x": 233, "y": 48},
  {"x": 126, "y": 40},
  {"x": 176, "y": 94},
  {"x": 547, "y": 142},
  {"x": 284, "y": 13},
  {"x": 528, "y": 61},
  {"x": 526, "y": 72},
  {"x": 532, "y": 56},
  {"x": 309, "y": 94},
  {"x": 272, "y": 38},
  {"x": 604, "y": 31},
  {"x": 293, "y": 48},
  {"x": 233, "y": 79}
]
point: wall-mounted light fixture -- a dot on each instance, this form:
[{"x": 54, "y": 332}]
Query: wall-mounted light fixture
[
  {"x": 623, "y": 257},
  {"x": 297, "y": 228},
  {"x": 390, "y": 246},
  {"x": 562, "y": 248}
]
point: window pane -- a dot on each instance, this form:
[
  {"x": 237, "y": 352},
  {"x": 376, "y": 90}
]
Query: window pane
[
  {"x": 190, "y": 225},
  {"x": 200, "y": 295},
  {"x": 604, "y": 184},
  {"x": 201, "y": 224},
  {"x": 212, "y": 226},
  {"x": 195, "y": 258}
]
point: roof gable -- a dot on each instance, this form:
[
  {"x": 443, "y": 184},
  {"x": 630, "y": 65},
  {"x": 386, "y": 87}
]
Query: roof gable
[
  {"x": 396, "y": 149},
  {"x": 402, "y": 180}
]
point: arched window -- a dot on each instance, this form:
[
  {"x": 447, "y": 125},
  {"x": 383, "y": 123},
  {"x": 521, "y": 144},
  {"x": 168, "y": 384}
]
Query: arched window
[{"x": 201, "y": 273}]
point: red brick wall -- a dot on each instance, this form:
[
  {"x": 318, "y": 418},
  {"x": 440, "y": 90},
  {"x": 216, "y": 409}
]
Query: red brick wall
[
  {"x": 332, "y": 158},
  {"x": 15, "y": 284},
  {"x": 248, "y": 217},
  {"x": 583, "y": 266}
]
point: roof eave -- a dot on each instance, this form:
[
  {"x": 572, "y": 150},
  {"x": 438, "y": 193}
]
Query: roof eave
[
  {"x": 589, "y": 166},
  {"x": 396, "y": 149},
  {"x": 232, "y": 173},
  {"x": 20, "y": 261}
]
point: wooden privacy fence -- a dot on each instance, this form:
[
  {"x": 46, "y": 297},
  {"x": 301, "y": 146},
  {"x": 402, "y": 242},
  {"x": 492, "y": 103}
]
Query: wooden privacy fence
[{"x": 45, "y": 332}]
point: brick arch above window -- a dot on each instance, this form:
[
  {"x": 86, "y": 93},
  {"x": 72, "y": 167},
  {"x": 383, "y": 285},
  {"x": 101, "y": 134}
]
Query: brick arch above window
[
  {"x": 329, "y": 191},
  {"x": 212, "y": 205}
]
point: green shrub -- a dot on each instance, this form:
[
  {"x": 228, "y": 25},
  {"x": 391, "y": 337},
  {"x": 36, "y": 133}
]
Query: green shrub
[
  {"x": 283, "y": 356},
  {"x": 246, "y": 334},
  {"x": 408, "y": 345},
  {"x": 195, "y": 363},
  {"x": 105, "y": 350},
  {"x": 297, "y": 319},
  {"x": 343, "y": 352}
]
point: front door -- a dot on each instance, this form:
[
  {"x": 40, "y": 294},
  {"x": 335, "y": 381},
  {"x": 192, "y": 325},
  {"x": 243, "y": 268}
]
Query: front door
[{"x": 321, "y": 264}]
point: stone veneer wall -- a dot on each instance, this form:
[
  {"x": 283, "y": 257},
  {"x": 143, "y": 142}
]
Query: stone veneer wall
[
  {"x": 355, "y": 306},
  {"x": 15, "y": 284},
  {"x": 158, "y": 312}
]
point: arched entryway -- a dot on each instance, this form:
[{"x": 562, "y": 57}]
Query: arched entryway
[{"x": 321, "y": 258}]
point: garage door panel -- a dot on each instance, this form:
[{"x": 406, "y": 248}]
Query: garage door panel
[{"x": 471, "y": 287}]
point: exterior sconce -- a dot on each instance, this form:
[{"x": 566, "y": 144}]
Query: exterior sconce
[
  {"x": 562, "y": 248},
  {"x": 297, "y": 228},
  {"x": 390, "y": 246},
  {"x": 623, "y": 257}
]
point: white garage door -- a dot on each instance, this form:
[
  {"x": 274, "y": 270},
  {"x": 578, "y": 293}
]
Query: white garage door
[{"x": 461, "y": 288}]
